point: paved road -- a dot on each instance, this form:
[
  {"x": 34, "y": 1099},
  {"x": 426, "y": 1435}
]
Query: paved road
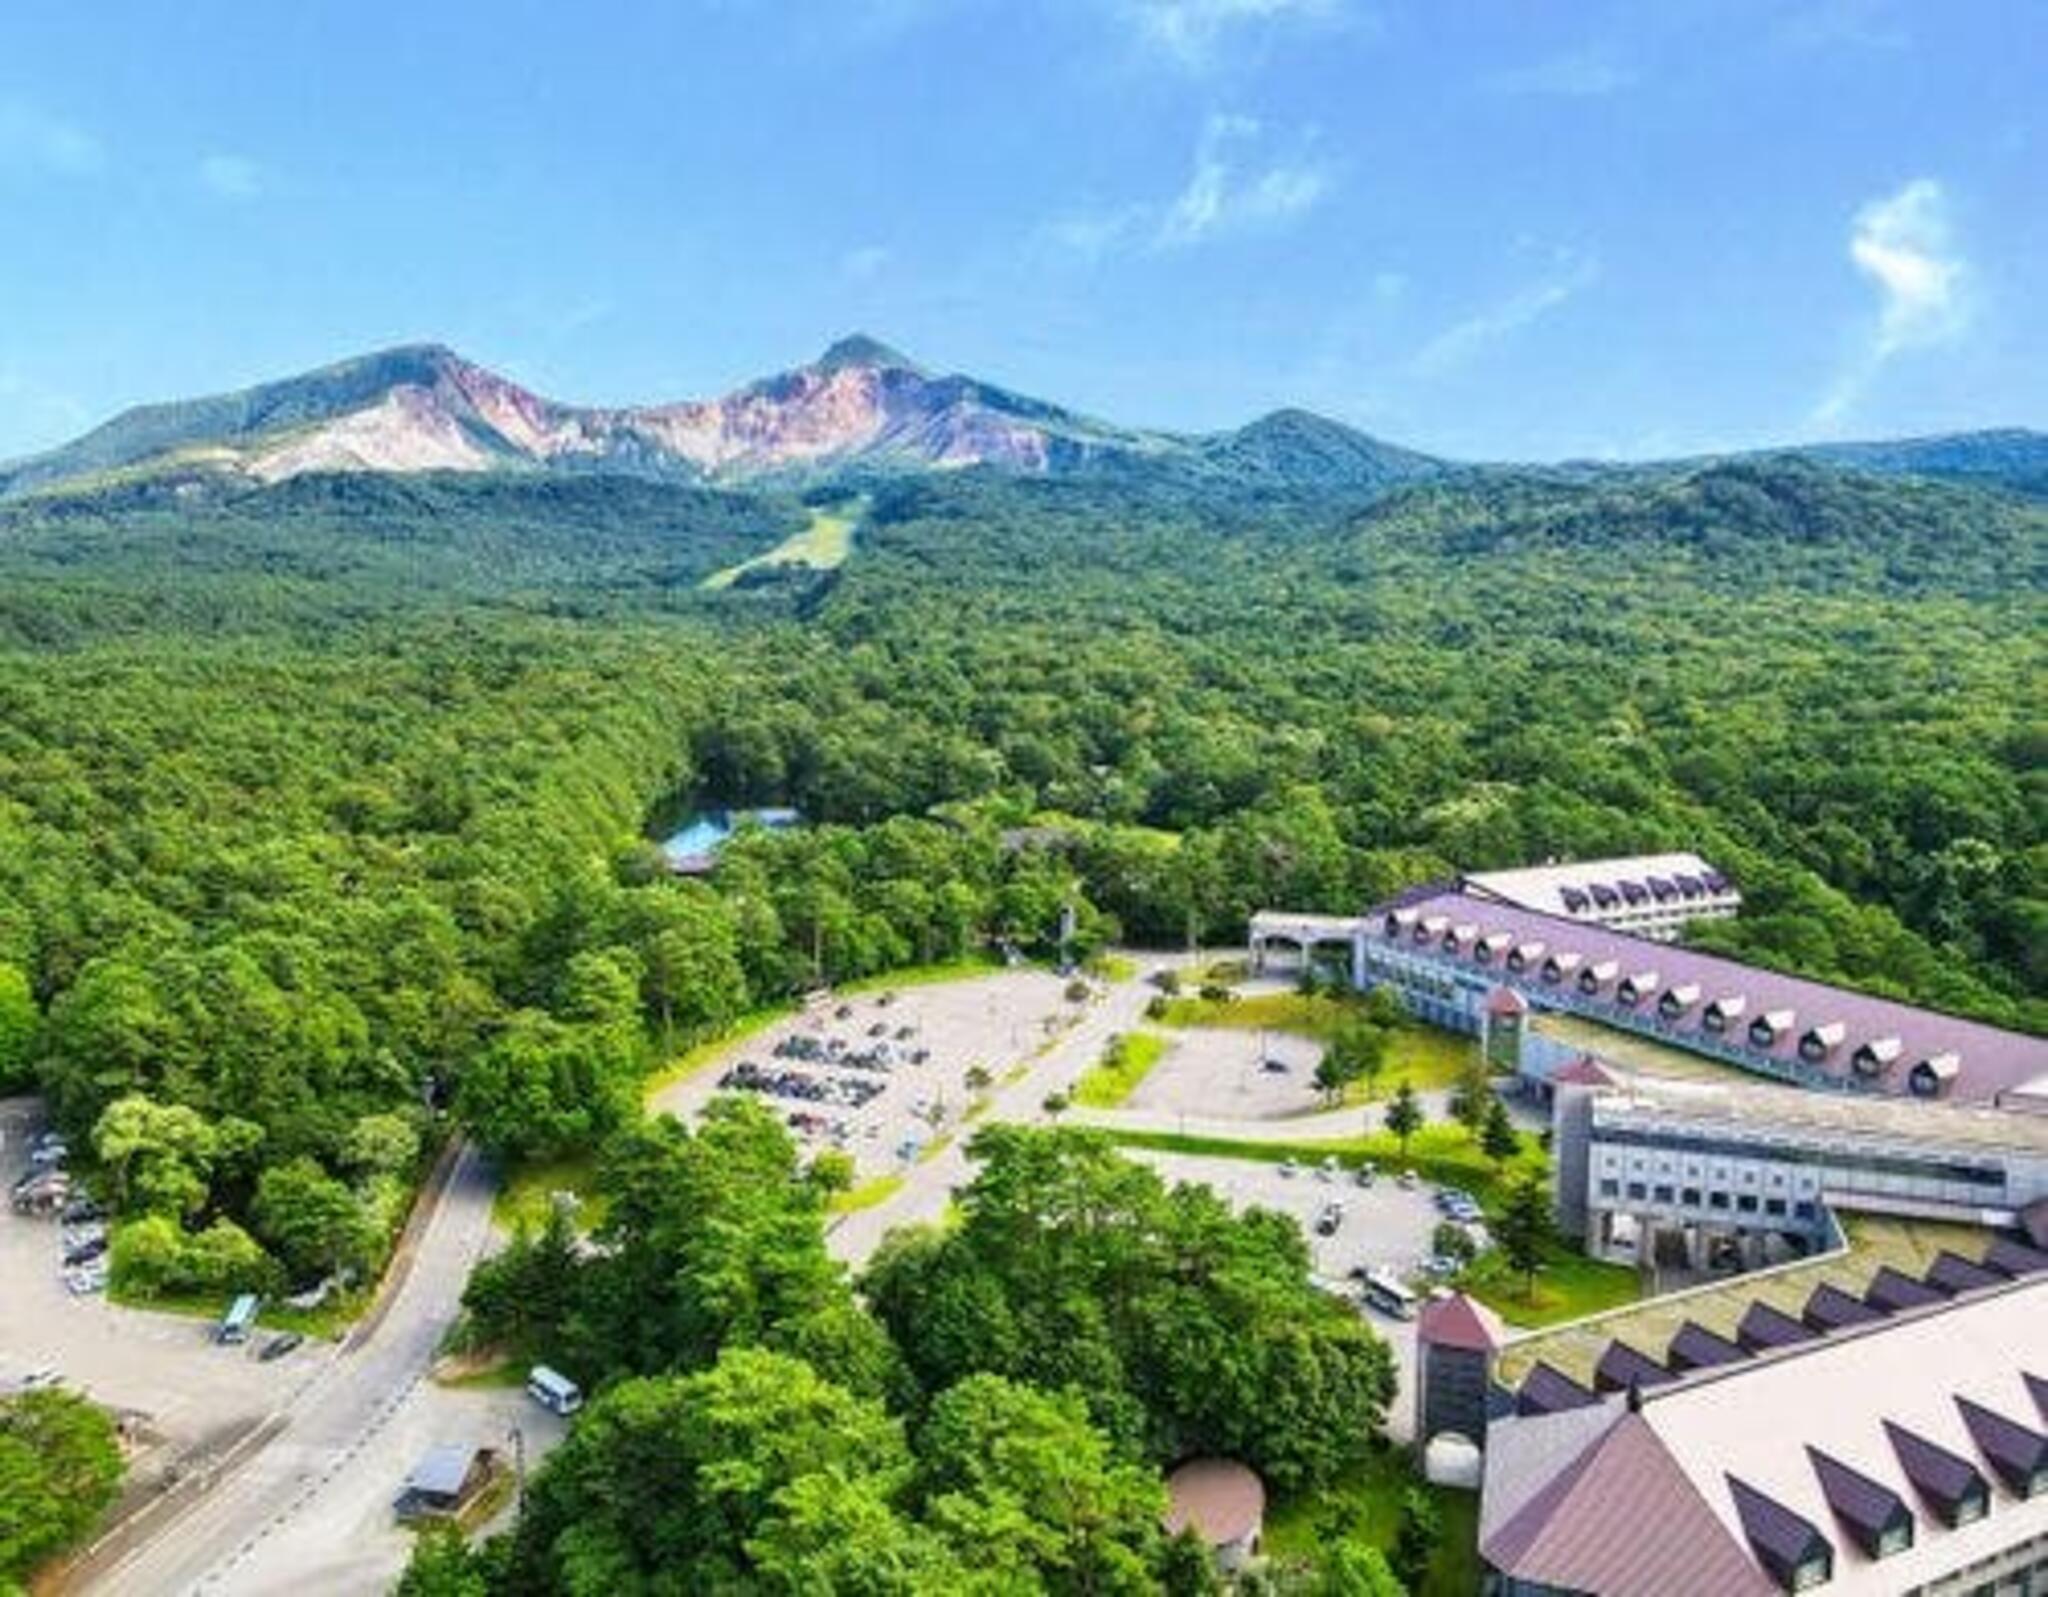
[{"x": 245, "y": 1534}]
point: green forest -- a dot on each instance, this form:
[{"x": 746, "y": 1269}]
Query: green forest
[{"x": 323, "y": 810}]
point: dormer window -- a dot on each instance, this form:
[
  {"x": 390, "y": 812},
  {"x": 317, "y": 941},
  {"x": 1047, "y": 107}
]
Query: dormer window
[
  {"x": 1821, "y": 1040},
  {"x": 1634, "y": 989},
  {"x": 1603, "y": 895},
  {"x": 1558, "y": 967},
  {"x": 1876, "y": 1517},
  {"x": 1490, "y": 945},
  {"x": 1678, "y": 999},
  {"x": 1933, "y": 1076},
  {"x": 1788, "y": 1545},
  {"x": 1690, "y": 887},
  {"x": 1523, "y": 955},
  {"x": 1574, "y": 901},
  {"x": 1459, "y": 935},
  {"x": 1398, "y": 922},
  {"x": 1724, "y": 1012},
  {"x": 1662, "y": 889},
  {"x": 1598, "y": 975},
  {"x": 1948, "y": 1483},
  {"x": 1634, "y": 892},
  {"x": 1876, "y": 1056},
  {"x": 1431, "y": 927},
  {"x": 1767, "y": 1028}
]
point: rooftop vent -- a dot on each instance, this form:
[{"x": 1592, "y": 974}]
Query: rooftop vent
[
  {"x": 1876, "y": 1517},
  {"x": 1716, "y": 882},
  {"x": 1947, "y": 1482},
  {"x": 1763, "y": 1327},
  {"x": 1788, "y": 1545},
  {"x": 2019, "y": 1453}
]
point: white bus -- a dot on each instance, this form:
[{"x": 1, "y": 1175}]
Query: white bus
[
  {"x": 553, "y": 1390},
  {"x": 1385, "y": 1293}
]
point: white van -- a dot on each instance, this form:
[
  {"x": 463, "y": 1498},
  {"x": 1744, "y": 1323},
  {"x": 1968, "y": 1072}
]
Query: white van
[
  {"x": 1387, "y": 1294},
  {"x": 553, "y": 1390}
]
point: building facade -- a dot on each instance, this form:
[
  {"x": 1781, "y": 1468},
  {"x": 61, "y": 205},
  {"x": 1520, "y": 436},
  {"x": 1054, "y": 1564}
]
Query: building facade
[{"x": 1649, "y": 895}]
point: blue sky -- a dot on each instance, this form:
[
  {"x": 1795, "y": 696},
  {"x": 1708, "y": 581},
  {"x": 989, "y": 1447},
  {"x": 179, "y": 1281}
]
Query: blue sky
[{"x": 1493, "y": 228}]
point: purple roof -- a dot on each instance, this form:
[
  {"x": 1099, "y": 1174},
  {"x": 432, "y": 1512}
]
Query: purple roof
[
  {"x": 1622, "y": 1366},
  {"x": 1830, "y": 1308},
  {"x": 1697, "y": 1348},
  {"x": 1765, "y": 1327},
  {"x": 1545, "y": 1390},
  {"x": 1945, "y": 1479},
  {"x": 1952, "y": 1273},
  {"x": 2015, "y": 1258},
  {"x": 2018, "y": 1452},
  {"x": 1990, "y": 1060},
  {"x": 1890, "y": 1290}
]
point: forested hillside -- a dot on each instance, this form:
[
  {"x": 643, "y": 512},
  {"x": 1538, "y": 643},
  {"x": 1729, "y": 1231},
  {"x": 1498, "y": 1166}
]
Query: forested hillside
[{"x": 324, "y": 806}]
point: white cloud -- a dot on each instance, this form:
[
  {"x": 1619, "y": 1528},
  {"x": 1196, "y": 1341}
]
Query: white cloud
[
  {"x": 33, "y": 141},
  {"x": 1575, "y": 75},
  {"x": 1191, "y": 33},
  {"x": 231, "y": 177},
  {"x": 1463, "y": 342},
  {"x": 1228, "y": 190},
  {"x": 1902, "y": 242},
  {"x": 864, "y": 263}
]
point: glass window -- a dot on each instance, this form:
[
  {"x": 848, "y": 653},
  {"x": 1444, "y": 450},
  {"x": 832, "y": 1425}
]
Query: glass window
[
  {"x": 1608, "y": 1189},
  {"x": 1692, "y": 1197},
  {"x": 1746, "y": 1203},
  {"x": 1663, "y": 1193},
  {"x": 1635, "y": 1189}
]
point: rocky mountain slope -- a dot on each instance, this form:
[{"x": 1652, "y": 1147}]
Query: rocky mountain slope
[{"x": 860, "y": 410}]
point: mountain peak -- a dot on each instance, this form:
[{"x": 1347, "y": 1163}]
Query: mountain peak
[{"x": 858, "y": 349}]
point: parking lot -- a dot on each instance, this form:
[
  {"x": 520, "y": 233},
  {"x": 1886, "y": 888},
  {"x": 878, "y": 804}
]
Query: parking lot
[
  {"x": 1221, "y": 1072},
  {"x": 165, "y": 1371},
  {"x": 880, "y": 1074}
]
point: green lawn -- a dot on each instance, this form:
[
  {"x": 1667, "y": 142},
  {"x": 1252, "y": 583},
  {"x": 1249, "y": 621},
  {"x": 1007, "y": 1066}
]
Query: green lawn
[
  {"x": 868, "y": 1195},
  {"x": 961, "y": 969},
  {"x": 1105, "y": 1085},
  {"x": 327, "y": 1322},
  {"x": 821, "y": 546},
  {"x": 524, "y": 1197},
  {"x": 1365, "y": 1505},
  {"x": 698, "y": 1055},
  {"x": 1427, "y": 1058},
  {"x": 1443, "y": 1152},
  {"x": 1568, "y": 1286}
]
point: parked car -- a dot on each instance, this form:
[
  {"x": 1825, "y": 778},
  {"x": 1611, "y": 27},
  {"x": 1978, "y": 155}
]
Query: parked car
[
  {"x": 1365, "y": 1175},
  {"x": 85, "y": 1252},
  {"x": 86, "y": 1279},
  {"x": 40, "y": 1379},
  {"x": 48, "y": 1155},
  {"x": 1272, "y": 1066},
  {"x": 1287, "y": 1168},
  {"x": 1408, "y": 1179},
  {"x": 278, "y": 1346},
  {"x": 1328, "y": 1219},
  {"x": 81, "y": 1211}
]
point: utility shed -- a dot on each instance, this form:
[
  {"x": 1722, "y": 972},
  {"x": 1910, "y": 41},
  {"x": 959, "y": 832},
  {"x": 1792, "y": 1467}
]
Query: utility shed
[{"x": 445, "y": 1481}]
